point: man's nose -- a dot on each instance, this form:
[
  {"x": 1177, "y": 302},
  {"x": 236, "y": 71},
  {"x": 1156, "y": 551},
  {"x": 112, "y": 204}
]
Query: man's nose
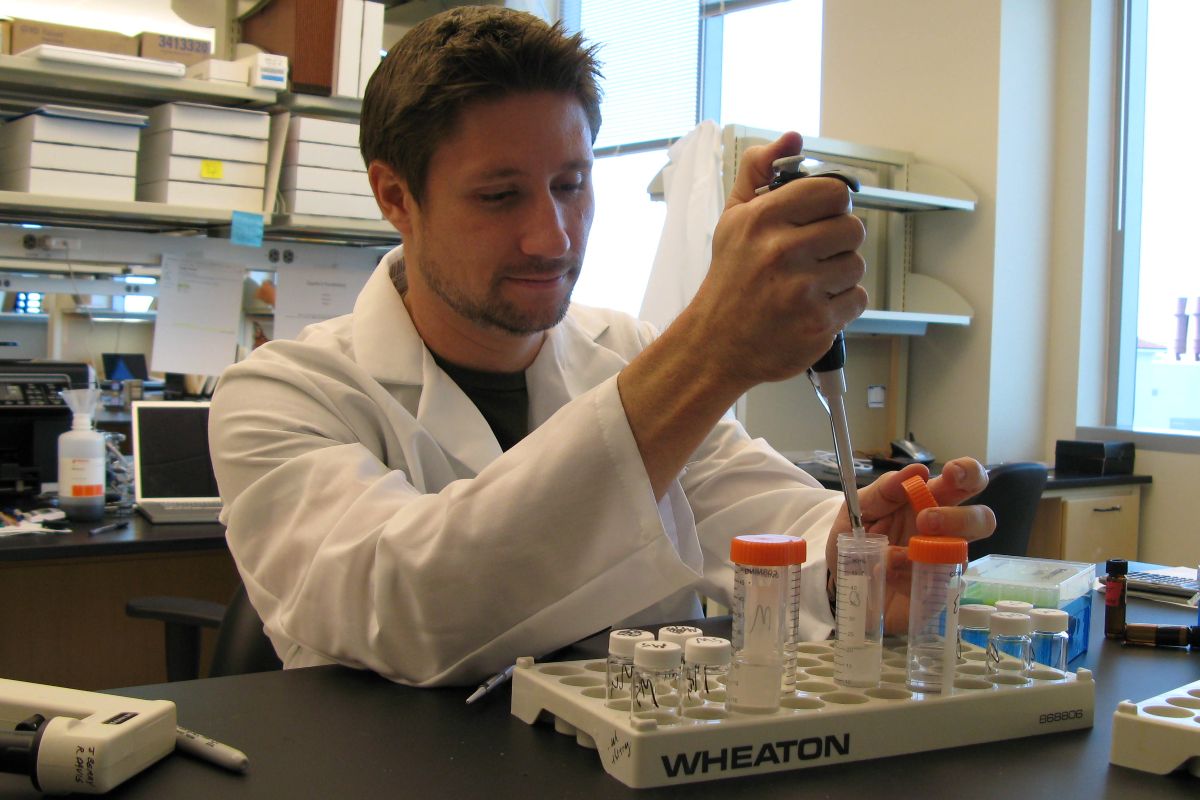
[{"x": 545, "y": 233}]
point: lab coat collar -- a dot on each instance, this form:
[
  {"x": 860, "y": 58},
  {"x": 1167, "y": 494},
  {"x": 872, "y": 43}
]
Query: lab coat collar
[{"x": 387, "y": 345}]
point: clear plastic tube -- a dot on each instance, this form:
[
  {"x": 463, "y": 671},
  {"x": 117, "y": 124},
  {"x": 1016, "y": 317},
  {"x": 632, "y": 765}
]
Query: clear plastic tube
[
  {"x": 861, "y": 569},
  {"x": 760, "y": 620},
  {"x": 933, "y": 611}
]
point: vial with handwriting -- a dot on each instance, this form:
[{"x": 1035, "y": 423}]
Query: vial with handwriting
[
  {"x": 619, "y": 666},
  {"x": 760, "y": 614}
]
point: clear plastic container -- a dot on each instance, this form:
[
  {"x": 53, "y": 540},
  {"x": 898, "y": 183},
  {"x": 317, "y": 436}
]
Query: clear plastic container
[
  {"x": 705, "y": 669},
  {"x": 796, "y": 559},
  {"x": 1049, "y": 639},
  {"x": 861, "y": 570},
  {"x": 654, "y": 690},
  {"x": 973, "y": 623},
  {"x": 933, "y": 611},
  {"x": 619, "y": 667},
  {"x": 1010, "y": 646},
  {"x": 760, "y": 621}
]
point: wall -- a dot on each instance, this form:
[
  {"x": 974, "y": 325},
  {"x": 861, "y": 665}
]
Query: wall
[{"x": 1014, "y": 96}]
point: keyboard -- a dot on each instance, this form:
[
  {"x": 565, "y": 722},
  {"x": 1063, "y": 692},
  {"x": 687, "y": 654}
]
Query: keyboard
[{"x": 1158, "y": 583}]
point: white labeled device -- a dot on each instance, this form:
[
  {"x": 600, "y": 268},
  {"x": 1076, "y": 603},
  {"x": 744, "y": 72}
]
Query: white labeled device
[{"x": 69, "y": 740}]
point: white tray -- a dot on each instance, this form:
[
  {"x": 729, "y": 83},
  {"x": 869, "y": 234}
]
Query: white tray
[
  {"x": 820, "y": 723},
  {"x": 1161, "y": 734}
]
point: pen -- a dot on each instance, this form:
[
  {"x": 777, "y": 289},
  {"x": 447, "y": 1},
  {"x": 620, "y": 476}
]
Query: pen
[
  {"x": 491, "y": 683},
  {"x": 109, "y": 528},
  {"x": 208, "y": 749}
]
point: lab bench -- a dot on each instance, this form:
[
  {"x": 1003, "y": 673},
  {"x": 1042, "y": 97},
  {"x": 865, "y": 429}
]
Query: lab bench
[{"x": 62, "y": 599}]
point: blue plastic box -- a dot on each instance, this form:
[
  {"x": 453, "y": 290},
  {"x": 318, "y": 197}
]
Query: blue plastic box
[{"x": 1045, "y": 583}]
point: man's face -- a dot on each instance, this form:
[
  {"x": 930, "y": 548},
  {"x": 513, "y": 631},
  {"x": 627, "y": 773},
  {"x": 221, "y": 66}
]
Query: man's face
[{"x": 499, "y": 237}]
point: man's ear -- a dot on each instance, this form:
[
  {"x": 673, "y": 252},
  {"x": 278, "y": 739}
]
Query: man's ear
[{"x": 392, "y": 194}]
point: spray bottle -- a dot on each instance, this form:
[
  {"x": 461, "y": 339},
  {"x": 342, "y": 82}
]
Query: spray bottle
[{"x": 81, "y": 460}]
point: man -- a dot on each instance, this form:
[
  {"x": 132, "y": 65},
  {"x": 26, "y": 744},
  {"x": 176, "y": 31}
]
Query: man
[{"x": 468, "y": 468}]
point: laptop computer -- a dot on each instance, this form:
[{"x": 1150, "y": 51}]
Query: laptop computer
[{"x": 173, "y": 475}]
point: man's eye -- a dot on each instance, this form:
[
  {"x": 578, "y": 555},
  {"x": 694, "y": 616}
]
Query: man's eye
[{"x": 497, "y": 197}]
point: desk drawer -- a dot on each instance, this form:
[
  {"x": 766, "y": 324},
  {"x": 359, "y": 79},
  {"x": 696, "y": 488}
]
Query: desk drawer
[{"x": 1101, "y": 526}]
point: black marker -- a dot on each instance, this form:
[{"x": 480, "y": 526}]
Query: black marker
[{"x": 109, "y": 528}]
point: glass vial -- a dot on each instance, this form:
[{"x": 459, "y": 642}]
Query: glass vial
[
  {"x": 619, "y": 668},
  {"x": 760, "y": 621},
  {"x": 1010, "y": 647},
  {"x": 937, "y": 565},
  {"x": 654, "y": 691},
  {"x": 1050, "y": 641},
  {"x": 1115, "y": 587},
  {"x": 861, "y": 571},
  {"x": 791, "y": 643},
  {"x": 973, "y": 624},
  {"x": 705, "y": 669}
]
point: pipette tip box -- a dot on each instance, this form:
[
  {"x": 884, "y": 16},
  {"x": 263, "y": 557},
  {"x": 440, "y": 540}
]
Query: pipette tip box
[
  {"x": 1043, "y": 582},
  {"x": 818, "y": 723}
]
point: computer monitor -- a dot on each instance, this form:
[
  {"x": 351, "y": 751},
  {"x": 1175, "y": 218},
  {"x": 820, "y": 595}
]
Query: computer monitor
[{"x": 123, "y": 366}]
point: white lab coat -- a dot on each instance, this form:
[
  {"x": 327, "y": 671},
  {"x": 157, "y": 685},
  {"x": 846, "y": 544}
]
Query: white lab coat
[{"x": 377, "y": 524}]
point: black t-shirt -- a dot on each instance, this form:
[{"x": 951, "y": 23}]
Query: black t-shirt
[{"x": 502, "y": 398}]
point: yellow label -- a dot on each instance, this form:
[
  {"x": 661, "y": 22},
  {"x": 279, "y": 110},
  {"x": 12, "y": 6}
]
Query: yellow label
[{"x": 212, "y": 170}]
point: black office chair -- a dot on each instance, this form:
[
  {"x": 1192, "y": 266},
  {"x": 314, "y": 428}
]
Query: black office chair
[
  {"x": 1013, "y": 493},
  {"x": 241, "y": 645}
]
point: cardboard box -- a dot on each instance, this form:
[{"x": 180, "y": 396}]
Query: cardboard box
[
  {"x": 39, "y": 127},
  {"x": 203, "y": 195},
  {"x": 202, "y": 118},
  {"x": 27, "y": 33},
  {"x": 329, "y": 156},
  {"x": 68, "y": 184},
  {"x": 330, "y": 204},
  {"x": 152, "y": 169},
  {"x": 206, "y": 145},
  {"x": 173, "y": 48},
  {"x": 317, "y": 179},
  {"x": 5, "y": 37},
  {"x": 326, "y": 131},
  {"x": 72, "y": 158}
]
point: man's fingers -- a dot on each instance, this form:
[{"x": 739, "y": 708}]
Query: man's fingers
[{"x": 755, "y": 169}]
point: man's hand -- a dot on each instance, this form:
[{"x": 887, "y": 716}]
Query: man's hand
[{"x": 885, "y": 510}]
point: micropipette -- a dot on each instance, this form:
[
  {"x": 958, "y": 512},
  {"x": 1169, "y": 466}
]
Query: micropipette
[
  {"x": 829, "y": 379},
  {"x": 827, "y": 375}
]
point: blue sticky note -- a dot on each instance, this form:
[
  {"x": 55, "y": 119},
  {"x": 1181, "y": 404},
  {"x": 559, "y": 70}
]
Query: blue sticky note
[{"x": 246, "y": 229}]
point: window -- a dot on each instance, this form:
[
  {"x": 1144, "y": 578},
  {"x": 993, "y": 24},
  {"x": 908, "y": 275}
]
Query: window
[
  {"x": 1158, "y": 279},
  {"x": 667, "y": 65}
]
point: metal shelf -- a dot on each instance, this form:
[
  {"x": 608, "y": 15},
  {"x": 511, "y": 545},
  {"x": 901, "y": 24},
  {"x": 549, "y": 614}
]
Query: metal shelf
[
  {"x": 136, "y": 215},
  {"x": 349, "y": 107},
  {"x": 880, "y": 199},
  {"x": 363, "y": 232},
  {"x": 902, "y": 323},
  {"x": 29, "y": 83}
]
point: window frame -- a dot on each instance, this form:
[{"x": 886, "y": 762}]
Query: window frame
[{"x": 1126, "y": 245}]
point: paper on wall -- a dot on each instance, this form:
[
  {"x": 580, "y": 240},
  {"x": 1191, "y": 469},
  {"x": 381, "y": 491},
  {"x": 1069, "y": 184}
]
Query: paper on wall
[
  {"x": 199, "y": 305},
  {"x": 313, "y": 294}
]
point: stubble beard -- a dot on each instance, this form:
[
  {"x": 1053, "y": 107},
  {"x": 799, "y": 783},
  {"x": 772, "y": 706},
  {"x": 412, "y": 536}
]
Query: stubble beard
[{"x": 493, "y": 311}]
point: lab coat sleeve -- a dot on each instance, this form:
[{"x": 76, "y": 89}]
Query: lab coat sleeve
[
  {"x": 347, "y": 562},
  {"x": 737, "y": 485}
]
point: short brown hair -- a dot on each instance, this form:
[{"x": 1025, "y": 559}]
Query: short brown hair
[{"x": 447, "y": 61}]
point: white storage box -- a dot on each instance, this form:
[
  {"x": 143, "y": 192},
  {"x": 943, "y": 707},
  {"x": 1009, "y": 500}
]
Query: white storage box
[
  {"x": 317, "y": 179},
  {"x": 326, "y": 131},
  {"x": 329, "y": 156},
  {"x": 220, "y": 120},
  {"x": 201, "y": 170},
  {"x": 50, "y": 155},
  {"x": 329, "y": 204},
  {"x": 206, "y": 145},
  {"x": 215, "y": 69},
  {"x": 68, "y": 184},
  {"x": 77, "y": 126},
  {"x": 203, "y": 195}
]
